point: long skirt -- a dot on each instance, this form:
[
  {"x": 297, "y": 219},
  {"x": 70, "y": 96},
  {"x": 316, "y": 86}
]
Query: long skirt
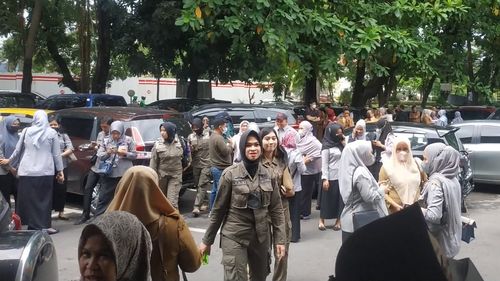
[
  {"x": 34, "y": 201},
  {"x": 331, "y": 201},
  {"x": 8, "y": 186},
  {"x": 59, "y": 194}
]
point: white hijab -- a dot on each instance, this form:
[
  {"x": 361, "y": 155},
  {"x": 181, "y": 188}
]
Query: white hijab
[
  {"x": 404, "y": 176},
  {"x": 356, "y": 154},
  {"x": 39, "y": 128}
]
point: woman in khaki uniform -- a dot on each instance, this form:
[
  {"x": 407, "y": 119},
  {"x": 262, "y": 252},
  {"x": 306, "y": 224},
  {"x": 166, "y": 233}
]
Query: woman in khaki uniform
[
  {"x": 245, "y": 203},
  {"x": 274, "y": 158},
  {"x": 173, "y": 245},
  {"x": 402, "y": 175}
]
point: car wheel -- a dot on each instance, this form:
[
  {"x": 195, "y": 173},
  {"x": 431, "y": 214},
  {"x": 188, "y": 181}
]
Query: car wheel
[{"x": 95, "y": 197}]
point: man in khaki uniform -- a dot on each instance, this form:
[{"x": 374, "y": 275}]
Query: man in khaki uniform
[
  {"x": 198, "y": 142},
  {"x": 166, "y": 160},
  {"x": 246, "y": 201}
]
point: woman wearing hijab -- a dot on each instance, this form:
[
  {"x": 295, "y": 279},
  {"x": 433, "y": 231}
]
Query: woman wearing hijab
[
  {"x": 199, "y": 146},
  {"x": 296, "y": 166},
  {"x": 275, "y": 159},
  {"x": 173, "y": 246},
  {"x": 331, "y": 201},
  {"x": 59, "y": 195},
  {"x": 115, "y": 247},
  {"x": 358, "y": 188},
  {"x": 402, "y": 175},
  {"x": 458, "y": 118},
  {"x": 442, "y": 120},
  {"x": 236, "y": 141},
  {"x": 359, "y": 132},
  {"x": 36, "y": 177},
  {"x": 441, "y": 196},
  {"x": 166, "y": 160},
  {"x": 9, "y": 137},
  {"x": 247, "y": 206},
  {"x": 310, "y": 147},
  {"x": 119, "y": 150}
]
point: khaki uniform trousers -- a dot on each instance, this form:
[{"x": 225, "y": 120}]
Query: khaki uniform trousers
[
  {"x": 171, "y": 186},
  {"x": 281, "y": 266},
  {"x": 236, "y": 257},
  {"x": 201, "y": 178}
]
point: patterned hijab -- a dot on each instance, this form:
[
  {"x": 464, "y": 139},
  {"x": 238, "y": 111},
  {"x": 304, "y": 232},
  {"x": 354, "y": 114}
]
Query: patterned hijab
[
  {"x": 129, "y": 241},
  {"x": 139, "y": 194},
  {"x": 38, "y": 130}
]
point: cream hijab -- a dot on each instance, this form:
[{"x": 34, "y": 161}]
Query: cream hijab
[
  {"x": 138, "y": 193},
  {"x": 404, "y": 176}
]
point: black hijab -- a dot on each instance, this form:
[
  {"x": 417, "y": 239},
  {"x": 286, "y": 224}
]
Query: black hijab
[
  {"x": 385, "y": 128},
  {"x": 331, "y": 139},
  {"x": 171, "y": 130},
  {"x": 199, "y": 125},
  {"x": 251, "y": 166}
]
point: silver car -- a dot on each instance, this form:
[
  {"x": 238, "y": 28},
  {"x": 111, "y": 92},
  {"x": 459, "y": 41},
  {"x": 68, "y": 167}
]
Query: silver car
[{"x": 481, "y": 138}]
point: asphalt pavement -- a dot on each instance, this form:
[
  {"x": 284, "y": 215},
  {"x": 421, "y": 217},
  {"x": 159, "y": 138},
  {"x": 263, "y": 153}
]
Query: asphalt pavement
[{"x": 313, "y": 258}]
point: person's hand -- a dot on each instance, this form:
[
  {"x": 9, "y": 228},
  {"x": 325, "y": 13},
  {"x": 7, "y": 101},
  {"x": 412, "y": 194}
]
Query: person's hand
[
  {"x": 204, "y": 249},
  {"x": 280, "y": 251},
  {"x": 378, "y": 144},
  {"x": 4, "y": 162},
  {"x": 122, "y": 152},
  {"x": 326, "y": 185},
  {"x": 230, "y": 141},
  {"x": 60, "y": 177},
  {"x": 110, "y": 151},
  {"x": 307, "y": 159},
  {"x": 13, "y": 171}
]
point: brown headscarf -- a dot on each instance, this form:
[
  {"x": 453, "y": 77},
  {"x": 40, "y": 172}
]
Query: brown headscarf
[{"x": 138, "y": 193}]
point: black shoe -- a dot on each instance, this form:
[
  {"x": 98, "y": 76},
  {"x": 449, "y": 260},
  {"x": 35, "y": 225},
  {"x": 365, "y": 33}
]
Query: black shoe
[{"x": 82, "y": 220}]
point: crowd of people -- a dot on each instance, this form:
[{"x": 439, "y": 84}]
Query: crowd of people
[{"x": 256, "y": 186}]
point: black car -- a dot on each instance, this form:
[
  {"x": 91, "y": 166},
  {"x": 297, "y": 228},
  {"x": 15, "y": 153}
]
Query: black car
[
  {"x": 471, "y": 112},
  {"x": 264, "y": 116},
  {"x": 183, "y": 104},
  {"x": 57, "y": 102},
  {"x": 18, "y": 99}
]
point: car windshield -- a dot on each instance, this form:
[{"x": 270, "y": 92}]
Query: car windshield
[
  {"x": 150, "y": 128},
  {"x": 496, "y": 116},
  {"x": 78, "y": 127},
  {"x": 17, "y": 101}
]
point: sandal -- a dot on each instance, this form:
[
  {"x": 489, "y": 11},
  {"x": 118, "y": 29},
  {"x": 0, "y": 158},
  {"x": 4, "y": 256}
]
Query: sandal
[
  {"x": 62, "y": 217},
  {"x": 336, "y": 227},
  {"x": 321, "y": 227}
]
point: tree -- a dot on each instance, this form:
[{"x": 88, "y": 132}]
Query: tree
[{"x": 29, "y": 45}]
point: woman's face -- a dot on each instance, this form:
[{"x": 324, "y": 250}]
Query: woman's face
[
  {"x": 53, "y": 124},
  {"x": 347, "y": 114},
  {"x": 244, "y": 127},
  {"x": 369, "y": 114},
  {"x": 96, "y": 260},
  {"x": 205, "y": 122},
  {"x": 115, "y": 135},
  {"x": 105, "y": 127},
  {"x": 359, "y": 131},
  {"x": 252, "y": 148},
  {"x": 269, "y": 142},
  {"x": 402, "y": 151},
  {"x": 163, "y": 133}
]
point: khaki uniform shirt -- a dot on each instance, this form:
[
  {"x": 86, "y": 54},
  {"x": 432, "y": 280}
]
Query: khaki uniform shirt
[
  {"x": 199, "y": 149},
  {"x": 239, "y": 222},
  {"x": 166, "y": 158}
]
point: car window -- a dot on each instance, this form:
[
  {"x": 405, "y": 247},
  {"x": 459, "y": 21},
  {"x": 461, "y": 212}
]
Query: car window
[
  {"x": 452, "y": 140},
  {"x": 475, "y": 115},
  {"x": 78, "y": 127},
  {"x": 106, "y": 100},
  {"x": 418, "y": 141},
  {"x": 490, "y": 134},
  {"x": 239, "y": 115},
  {"x": 17, "y": 101},
  {"x": 496, "y": 116},
  {"x": 150, "y": 128},
  {"x": 465, "y": 133}
]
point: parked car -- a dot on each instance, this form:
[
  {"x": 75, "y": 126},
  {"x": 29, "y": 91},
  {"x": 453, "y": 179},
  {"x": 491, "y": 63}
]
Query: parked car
[
  {"x": 142, "y": 124},
  {"x": 25, "y": 115},
  {"x": 183, "y": 104},
  {"x": 57, "y": 102},
  {"x": 471, "y": 112},
  {"x": 264, "y": 116},
  {"x": 25, "y": 254},
  {"x": 17, "y": 99},
  {"x": 421, "y": 135},
  {"x": 481, "y": 138}
]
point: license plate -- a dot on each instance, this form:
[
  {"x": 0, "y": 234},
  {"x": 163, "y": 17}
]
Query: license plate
[{"x": 143, "y": 155}]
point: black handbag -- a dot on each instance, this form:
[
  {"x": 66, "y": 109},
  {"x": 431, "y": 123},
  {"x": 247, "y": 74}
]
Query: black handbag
[
  {"x": 362, "y": 218},
  {"x": 93, "y": 159},
  {"x": 106, "y": 167}
]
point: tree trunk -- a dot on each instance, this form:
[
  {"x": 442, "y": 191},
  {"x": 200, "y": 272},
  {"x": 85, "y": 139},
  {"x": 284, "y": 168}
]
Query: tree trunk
[
  {"x": 84, "y": 41},
  {"x": 101, "y": 74},
  {"x": 158, "y": 88},
  {"x": 67, "y": 79},
  {"x": 359, "y": 87},
  {"x": 311, "y": 89},
  {"x": 390, "y": 86},
  {"x": 29, "y": 46},
  {"x": 426, "y": 89},
  {"x": 470, "y": 74},
  {"x": 374, "y": 88},
  {"x": 192, "y": 90}
]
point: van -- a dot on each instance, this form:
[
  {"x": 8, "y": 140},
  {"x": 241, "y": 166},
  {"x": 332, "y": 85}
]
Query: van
[{"x": 57, "y": 102}]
